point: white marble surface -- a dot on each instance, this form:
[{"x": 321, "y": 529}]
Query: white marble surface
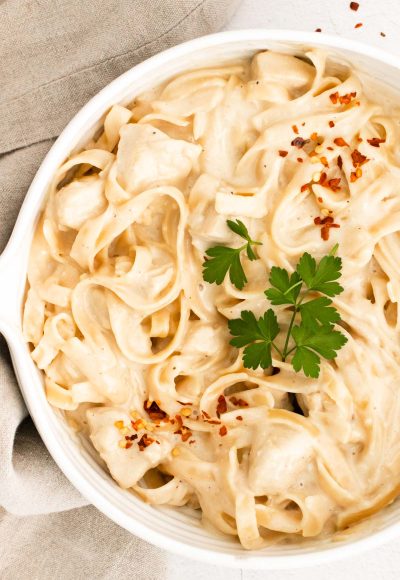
[{"x": 333, "y": 17}]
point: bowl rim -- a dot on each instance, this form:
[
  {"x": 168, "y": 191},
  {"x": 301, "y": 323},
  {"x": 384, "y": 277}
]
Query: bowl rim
[{"x": 11, "y": 331}]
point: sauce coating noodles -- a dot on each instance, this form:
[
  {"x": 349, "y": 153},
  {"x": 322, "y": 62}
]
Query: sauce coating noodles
[{"x": 134, "y": 344}]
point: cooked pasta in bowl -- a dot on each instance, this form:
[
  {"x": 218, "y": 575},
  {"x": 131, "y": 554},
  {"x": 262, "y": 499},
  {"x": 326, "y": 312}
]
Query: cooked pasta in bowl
[{"x": 211, "y": 301}]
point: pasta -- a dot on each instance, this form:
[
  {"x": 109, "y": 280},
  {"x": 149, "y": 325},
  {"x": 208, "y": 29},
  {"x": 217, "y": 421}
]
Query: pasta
[{"x": 134, "y": 344}]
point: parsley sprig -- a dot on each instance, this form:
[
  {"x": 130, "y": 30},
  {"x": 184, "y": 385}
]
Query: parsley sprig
[
  {"x": 311, "y": 333},
  {"x": 222, "y": 259}
]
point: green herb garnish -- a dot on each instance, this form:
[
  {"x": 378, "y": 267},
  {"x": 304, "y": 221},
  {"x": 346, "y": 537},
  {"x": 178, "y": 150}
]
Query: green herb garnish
[
  {"x": 247, "y": 329},
  {"x": 222, "y": 259},
  {"x": 310, "y": 334}
]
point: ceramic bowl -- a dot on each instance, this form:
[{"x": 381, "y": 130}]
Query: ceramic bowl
[{"x": 177, "y": 530}]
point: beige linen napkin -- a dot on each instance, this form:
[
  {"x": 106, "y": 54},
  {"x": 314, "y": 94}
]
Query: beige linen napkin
[{"x": 54, "y": 56}]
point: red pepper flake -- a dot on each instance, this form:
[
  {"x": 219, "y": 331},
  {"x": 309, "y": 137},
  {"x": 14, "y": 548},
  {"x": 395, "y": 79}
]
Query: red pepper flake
[
  {"x": 325, "y": 233},
  {"x": 354, "y": 6},
  {"x": 239, "y": 418},
  {"x": 320, "y": 199},
  {"x": 358, "y": 158},
  {"x": 222, "y": 406},
  {"x": 184, "y": 432},
  {"x": 323, "y": 178},
  {"x": 223, "y": 431},
  {"x": 318, "y": 30},
  {"x": 342, "y": 99},
  {"x": 238, "y": 402},
  {"x": 138, "y": 424},
  {"x": 330, "y": 148},
  {"x": 340, "y": 142},
  {"x": 186, "y": 435},
  {"x": 207, "y": 419},
  {"x": 324, "y": 161},
  {"x": 154, "y": 411},
  {"x": 323, "y": 221},
  {"x": 282, "y": 153},
  {"x": 340, "y": 162},
  {"x": 358, "y": 25},
  {"x": 300, "y": 160},
  {"x": 299, "y": 142},
  {"x": 383, "y": 34},
  {"x": 334, "y": 184},
  {"x": 305, "y": 187},
  {"x": 128, "y": 444},
  {"x": 334, "y": 97},
  {"x": 295, "y": 129},
  {"x": 314, "y": 136},
  {"x": 375, "y": 142},
  {"x": 131, "y": 437},
  {"x": 179, "y": 420},
  {"x": 145, "y": 441},
  {"x": 331, "y": 124},
  {"x": 327, "y": 223}
]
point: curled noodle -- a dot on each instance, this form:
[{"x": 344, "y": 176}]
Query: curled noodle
[{"x": 134, "y": 344}]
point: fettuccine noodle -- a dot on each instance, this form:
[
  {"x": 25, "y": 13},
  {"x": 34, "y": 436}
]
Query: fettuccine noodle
[{"x": 134, "y": 344}]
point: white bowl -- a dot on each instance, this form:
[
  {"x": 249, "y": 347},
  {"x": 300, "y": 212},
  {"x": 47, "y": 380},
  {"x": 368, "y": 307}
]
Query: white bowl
[{"x": 167, "y": 528}]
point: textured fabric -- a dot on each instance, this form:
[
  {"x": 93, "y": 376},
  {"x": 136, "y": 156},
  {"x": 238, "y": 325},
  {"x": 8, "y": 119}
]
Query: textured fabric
[
  {"x": 54, "y": 56},
  {"x": 79, "y": 544}
]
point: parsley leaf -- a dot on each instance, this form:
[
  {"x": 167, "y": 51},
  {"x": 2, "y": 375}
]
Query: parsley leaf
[
  {"x": 250, "y": 253},
  {"x": 311, "y": 341},
  {"x": 222, "y": 259},
  {"x": 321, "y": 278},
  {"x": 258, "y": 335},
  {"x": 319, "y": 310},
  {"x": 308, "y": 361},
  {"x": 239, "y": 228},
  {"x": 310, "y": 332},
  {"x": 285, "y": 290},
  {"x": 257, "y": 355}
]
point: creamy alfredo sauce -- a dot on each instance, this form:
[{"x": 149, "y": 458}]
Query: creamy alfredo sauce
[{"x": 134, "y": 344}]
